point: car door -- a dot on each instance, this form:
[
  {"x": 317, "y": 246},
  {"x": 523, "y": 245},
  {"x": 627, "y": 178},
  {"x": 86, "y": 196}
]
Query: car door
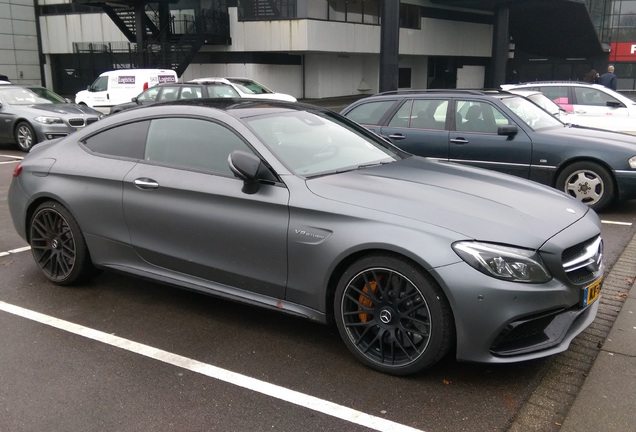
[
  {"x": 475, "y": 140},
  {"x": 419, "y": 127},
  {"x": 595, "y": 102},
  {"x": 187, "y": 213},
  {"x": 98, "y": 91}
]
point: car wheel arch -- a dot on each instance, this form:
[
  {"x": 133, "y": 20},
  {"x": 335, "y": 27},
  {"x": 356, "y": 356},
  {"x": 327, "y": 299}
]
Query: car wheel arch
[
  {"x": 581, "y": 160},
  {"x": 345, "y": 262}
]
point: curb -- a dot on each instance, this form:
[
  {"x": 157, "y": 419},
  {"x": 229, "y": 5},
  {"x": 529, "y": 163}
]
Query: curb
[{"x": 548, "y": 406}]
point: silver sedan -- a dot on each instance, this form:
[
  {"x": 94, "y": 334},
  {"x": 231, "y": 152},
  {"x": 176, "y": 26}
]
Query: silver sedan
[{"x": 32, "y": 114}]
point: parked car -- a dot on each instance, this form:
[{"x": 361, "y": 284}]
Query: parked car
[
  {"x": 295, "y": 208},
  {"x": 177, "y": 91},
  {"x": 119, "y": 86},
  {"x": 31, "y": 114},
  {"x": 247, "y": 88},
  {"x": 547, "y": 104},
  {"x": 505, "y": 132},
  {"x": 593, "y": 104}
]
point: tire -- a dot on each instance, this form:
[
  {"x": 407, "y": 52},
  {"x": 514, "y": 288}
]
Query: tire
[
  {"x": 587, "y": 182},
  {"x": 392, "y": 316},
  {"x": 58, "y": 245},
  {"x": 25, "y": 137}
]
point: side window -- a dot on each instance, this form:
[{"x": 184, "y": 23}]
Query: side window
[
  {"x": 591, "y": 96},
  {"x": 122, "y": 141},
  {"x": 221, "y": 90},
  {"x": 149, "y": 95},
  {"x": 429, "y": 114},
  {"x": 100, "y": 84},
  {"x": 190, "y": 93},
  {"x": 476, "y": 116},
  {"x": 192, "y": 143},
  {"x": 370, "y": 113},
  {"x": 558, "y": 94},
  {"x": 403, "y": 116},
  {"x": 168, "y": 93}
]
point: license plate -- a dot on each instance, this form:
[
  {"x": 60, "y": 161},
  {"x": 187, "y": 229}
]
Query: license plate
[{"x": 592, "y": 292}]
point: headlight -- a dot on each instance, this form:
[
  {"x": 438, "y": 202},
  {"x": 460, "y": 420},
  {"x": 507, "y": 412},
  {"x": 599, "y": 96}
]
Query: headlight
[
  {"x": 504, "y": 262},
  {"x": 632, "y": 162},
  {"x": 48, "y": 120}
]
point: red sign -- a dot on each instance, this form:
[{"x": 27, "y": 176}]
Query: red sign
[{"x": 623, "y": 52}]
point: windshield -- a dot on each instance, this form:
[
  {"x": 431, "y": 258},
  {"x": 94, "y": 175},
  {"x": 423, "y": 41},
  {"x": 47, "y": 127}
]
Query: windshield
[
  {"x": 47, "y": 94},
  {"x": 545, "y": 102},
  {"x": 249, "y": 86},
  {"x": 531, "y": 114},
  {"x": 22, "y": 96},
  {"x": 311, "y": 144}
]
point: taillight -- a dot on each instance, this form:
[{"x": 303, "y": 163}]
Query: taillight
[{"x": 18, "y": 170}]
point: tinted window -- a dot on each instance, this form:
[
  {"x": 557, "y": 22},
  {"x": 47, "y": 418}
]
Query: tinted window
[
  {"x": 591, "y": 96},
  {"x": 149, "y": 95},
  {"x": 556, "y": 93},
  {"x": 192, "y": 143},
  {"x": 123, "y": 141},
  {"x": 190, "y": 93},
  {"x": 168, "y": 93},
  {"x": 370, "y": 113},
  {"x": 475, "y": 116},
  {"x": 429, "y": 114}
]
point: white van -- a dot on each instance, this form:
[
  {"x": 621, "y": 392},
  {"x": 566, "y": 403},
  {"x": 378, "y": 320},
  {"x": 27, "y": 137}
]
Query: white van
[{"x": 121, "y": 85}]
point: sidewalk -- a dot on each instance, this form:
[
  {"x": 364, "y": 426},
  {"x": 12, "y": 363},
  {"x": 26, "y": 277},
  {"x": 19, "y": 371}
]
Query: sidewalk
[{"x": 591, "y": 387}]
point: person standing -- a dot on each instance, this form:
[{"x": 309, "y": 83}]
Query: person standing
[
  {"x": 608, "y": 79},
  {"x": 592, "y": 77}
]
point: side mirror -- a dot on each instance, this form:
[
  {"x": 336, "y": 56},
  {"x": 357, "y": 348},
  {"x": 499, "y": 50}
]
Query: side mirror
[
  {"x": 508, "y": 130},
  {"x": 134, "y": 99},
  {"x": 67, "y": 100},
  {"x": 88, "y": 88},
  {"x": 246, "y": 166},
  {"x": 614, "y": 104}
]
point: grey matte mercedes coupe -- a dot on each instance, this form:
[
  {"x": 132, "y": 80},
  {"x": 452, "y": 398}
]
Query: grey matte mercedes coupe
[{"x": 296, "y": 208}]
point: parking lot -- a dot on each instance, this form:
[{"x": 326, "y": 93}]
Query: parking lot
[{"x": 126, "y": 354}]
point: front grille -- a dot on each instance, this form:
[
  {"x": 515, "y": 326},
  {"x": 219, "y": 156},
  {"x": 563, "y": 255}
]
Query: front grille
[
  {"x": 583, "y": 262},
  {"x": 81, "y": 122}
]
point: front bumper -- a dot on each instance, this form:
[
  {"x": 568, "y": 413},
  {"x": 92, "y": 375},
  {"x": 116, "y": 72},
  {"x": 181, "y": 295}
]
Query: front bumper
[{"x": 504, "y": 322}]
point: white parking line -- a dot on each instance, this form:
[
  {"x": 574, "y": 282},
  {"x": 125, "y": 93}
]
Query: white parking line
[
  {"x": 14, "y": 251},
  {"x": 268, "y": 389},
  {"x": 616, "y": 223},
  {"x": 16, "y": 159}
]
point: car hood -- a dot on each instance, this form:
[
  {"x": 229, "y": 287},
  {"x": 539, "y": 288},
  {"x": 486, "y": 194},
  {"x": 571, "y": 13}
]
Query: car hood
[
  {"x": 593, "y": 135},
  {"x": 474, "y": 203},
  {"x": 65, "y": 109}
]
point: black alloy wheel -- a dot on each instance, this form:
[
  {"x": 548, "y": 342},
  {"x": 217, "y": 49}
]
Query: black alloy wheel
[
  {"x": 58, "y": 245},
  {"x": 392, "y": 316}
]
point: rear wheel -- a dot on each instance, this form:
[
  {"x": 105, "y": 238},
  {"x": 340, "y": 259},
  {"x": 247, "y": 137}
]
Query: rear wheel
[
  {"x": 392, "y": 316},
  {"x": 58, "y": 245},
  {"x": 25, "y": 136},
  {"x": 587, "y": 182}
]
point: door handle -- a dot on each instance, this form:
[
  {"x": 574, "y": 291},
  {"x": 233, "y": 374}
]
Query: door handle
[
  {"x": 145, "y": 184},
  {"x": 397, "y": 136},
  {"x": 459, "y": 141}
]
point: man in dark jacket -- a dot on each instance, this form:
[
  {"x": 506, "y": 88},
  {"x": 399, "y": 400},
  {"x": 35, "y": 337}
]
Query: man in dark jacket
[{"x": 608, "y": 79}]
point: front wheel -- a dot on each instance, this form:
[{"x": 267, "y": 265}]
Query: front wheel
[
  {"x": 392, "y": 316},
  {"x": 25, "y": 137},
  {"x": 58, "y": 246},
  {"x": 587, "y": 182}
]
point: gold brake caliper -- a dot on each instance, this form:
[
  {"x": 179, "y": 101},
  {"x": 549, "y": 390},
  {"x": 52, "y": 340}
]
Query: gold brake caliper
[{"x": 366, "y": 301}]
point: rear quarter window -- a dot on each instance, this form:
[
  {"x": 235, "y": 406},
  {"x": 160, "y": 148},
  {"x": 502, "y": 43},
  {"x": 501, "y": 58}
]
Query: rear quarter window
[
  {"x": 370, "y": 113},
  {"x": 127, "y": 141}
]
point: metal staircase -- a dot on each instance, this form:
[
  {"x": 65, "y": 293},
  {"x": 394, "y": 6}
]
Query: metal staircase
[{"x": 163, "y": 40}]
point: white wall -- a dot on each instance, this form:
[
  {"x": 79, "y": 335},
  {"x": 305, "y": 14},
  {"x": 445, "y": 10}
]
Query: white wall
[
  {"x": 338, "y": 57},
  {"x": 19, "y": 59}
]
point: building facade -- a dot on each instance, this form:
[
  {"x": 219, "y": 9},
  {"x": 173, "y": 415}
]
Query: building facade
[{"x": 320, "y": 48}]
